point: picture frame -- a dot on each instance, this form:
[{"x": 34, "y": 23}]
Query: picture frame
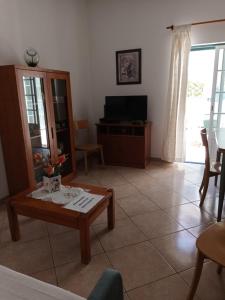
[{"x": 128, "y": 66}]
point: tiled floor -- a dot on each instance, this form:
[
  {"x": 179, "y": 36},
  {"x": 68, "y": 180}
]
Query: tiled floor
[{"x": 152, "y": 245}]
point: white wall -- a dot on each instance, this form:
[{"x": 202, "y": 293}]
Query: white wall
[
  {"x": 126, "y": 24},
  {"x": 58, "y": 30}
]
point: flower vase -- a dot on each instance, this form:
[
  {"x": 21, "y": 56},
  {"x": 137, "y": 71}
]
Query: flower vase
[{"x": 52, "y": 184}]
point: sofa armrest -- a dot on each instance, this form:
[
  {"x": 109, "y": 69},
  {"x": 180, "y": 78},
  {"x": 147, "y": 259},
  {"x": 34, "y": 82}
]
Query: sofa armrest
[{"x": 108, "y": 287}]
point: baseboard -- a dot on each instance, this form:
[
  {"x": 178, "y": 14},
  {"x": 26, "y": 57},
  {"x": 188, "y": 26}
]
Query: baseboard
[{"x": 155, "y": 159}]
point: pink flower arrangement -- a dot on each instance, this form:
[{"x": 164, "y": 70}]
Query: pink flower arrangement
[{"x": 50, "y": 168}]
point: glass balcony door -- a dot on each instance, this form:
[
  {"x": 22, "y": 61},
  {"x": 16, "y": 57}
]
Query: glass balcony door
[
  {"x": 217, "y": 116},
  {"x": 205, "y": 106}
]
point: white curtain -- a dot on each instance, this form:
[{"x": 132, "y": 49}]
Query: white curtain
[{"x": 173, "y": 143}]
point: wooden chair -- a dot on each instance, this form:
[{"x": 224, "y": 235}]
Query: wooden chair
[
  {"x": 88, "y": 148},
  {"x": 211, "y": 169},
  {"x": 211, "y": 245}
]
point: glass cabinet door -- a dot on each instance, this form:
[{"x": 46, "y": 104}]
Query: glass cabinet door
[
  {"x": 37, "y": 121},
  {"x": 60, "y": 98}
]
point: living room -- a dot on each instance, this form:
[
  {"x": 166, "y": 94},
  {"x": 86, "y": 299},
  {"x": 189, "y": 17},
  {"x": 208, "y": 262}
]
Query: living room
[{"x": 82, "y": 37}]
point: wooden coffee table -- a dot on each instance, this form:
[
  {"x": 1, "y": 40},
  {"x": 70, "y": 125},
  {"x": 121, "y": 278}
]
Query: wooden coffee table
[{"x": 21, "y": 204}]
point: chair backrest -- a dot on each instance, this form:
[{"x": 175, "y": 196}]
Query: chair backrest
[
  {"x": 82, "y": 132},
  {"x": 206, "y": 145}
]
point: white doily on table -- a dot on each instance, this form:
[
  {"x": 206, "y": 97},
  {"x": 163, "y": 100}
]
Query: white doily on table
[
  {"x": 64, "y": 196},
  {"x": 72, "y": 198}
]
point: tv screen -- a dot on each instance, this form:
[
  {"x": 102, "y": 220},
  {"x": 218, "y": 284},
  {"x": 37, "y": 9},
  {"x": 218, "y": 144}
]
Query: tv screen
[{"x": 126, "y": 108}]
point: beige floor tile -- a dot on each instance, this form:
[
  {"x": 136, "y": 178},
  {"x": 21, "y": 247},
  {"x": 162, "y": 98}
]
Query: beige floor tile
[
  {"x": 170, "y": 288},
  {"x": 146, "y": 268},
  {"x": 125, "y": 233},
  {"x": 142, "y": 180},
  {"x": 125, "y": 190},
  {"x": 173, "y": 179},
  {"x": 179, "y": 249},
  {"x": 212, "y": 189},
  {"x": 148, "y": 190},
  {"x": 194, "y": 177},
  {"x": 66, "y": 247},
  {"x": 119, "y": 215},
  {"x": 112, "y": 180},
  {"x": 54, "y": 229},
  {"x": 189, "y": 215},
  {"x": 166, "y": 199},
  {"x": 211, "y": 285},
  {"x": 132, "y": 173},
  {"x": 193, "y": 167},
  {"x": 210, "y": 204},
  {"x": 195, "y": 231},
  {"x": 80, "y": 278},
  {"x": 139, "y": 264},
  {"x": 28, "y": 257},
  {"x": 101, "y": 172},
  {"x": 30, "y": 229},
  {"x": 184, "y": 187},
  {"x": 48, "y": 276},
  {"x": 188, "y": 190},
  {"x": 136, "y": 205},
  {"x": 155, "y": 164},
  {"x": 162, "y": 173},
  {"x": 156, "y": 224}
]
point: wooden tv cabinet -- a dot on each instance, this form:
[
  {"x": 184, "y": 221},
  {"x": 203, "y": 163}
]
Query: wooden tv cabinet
[{"x": 125, "y": 144}]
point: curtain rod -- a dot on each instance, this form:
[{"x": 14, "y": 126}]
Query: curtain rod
[{"x": 199, "y": 23}]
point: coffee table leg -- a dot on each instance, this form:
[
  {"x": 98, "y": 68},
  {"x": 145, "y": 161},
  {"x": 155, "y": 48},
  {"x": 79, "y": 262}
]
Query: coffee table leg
[
  {"x": 13, "y": 222},
  {"x": 85, "y": 242},
  {"x": 111, "y": 212}
]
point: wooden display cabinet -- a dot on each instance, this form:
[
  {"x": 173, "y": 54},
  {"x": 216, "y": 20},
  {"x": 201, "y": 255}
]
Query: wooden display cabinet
[
  {"x": 35, "y": 117},
  {"x": 125, "y": 144}
]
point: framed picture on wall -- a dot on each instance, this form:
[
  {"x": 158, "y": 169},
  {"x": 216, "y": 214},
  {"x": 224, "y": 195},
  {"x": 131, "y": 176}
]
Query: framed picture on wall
[{"x": 128, "y": 66}]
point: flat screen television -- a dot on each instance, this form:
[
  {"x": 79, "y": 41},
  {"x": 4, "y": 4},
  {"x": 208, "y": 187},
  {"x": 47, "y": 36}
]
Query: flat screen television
[{"x": 126, "y": 108}]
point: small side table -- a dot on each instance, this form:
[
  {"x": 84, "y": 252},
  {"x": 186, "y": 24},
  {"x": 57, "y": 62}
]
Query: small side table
[{"x": 50, "y": 212}]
